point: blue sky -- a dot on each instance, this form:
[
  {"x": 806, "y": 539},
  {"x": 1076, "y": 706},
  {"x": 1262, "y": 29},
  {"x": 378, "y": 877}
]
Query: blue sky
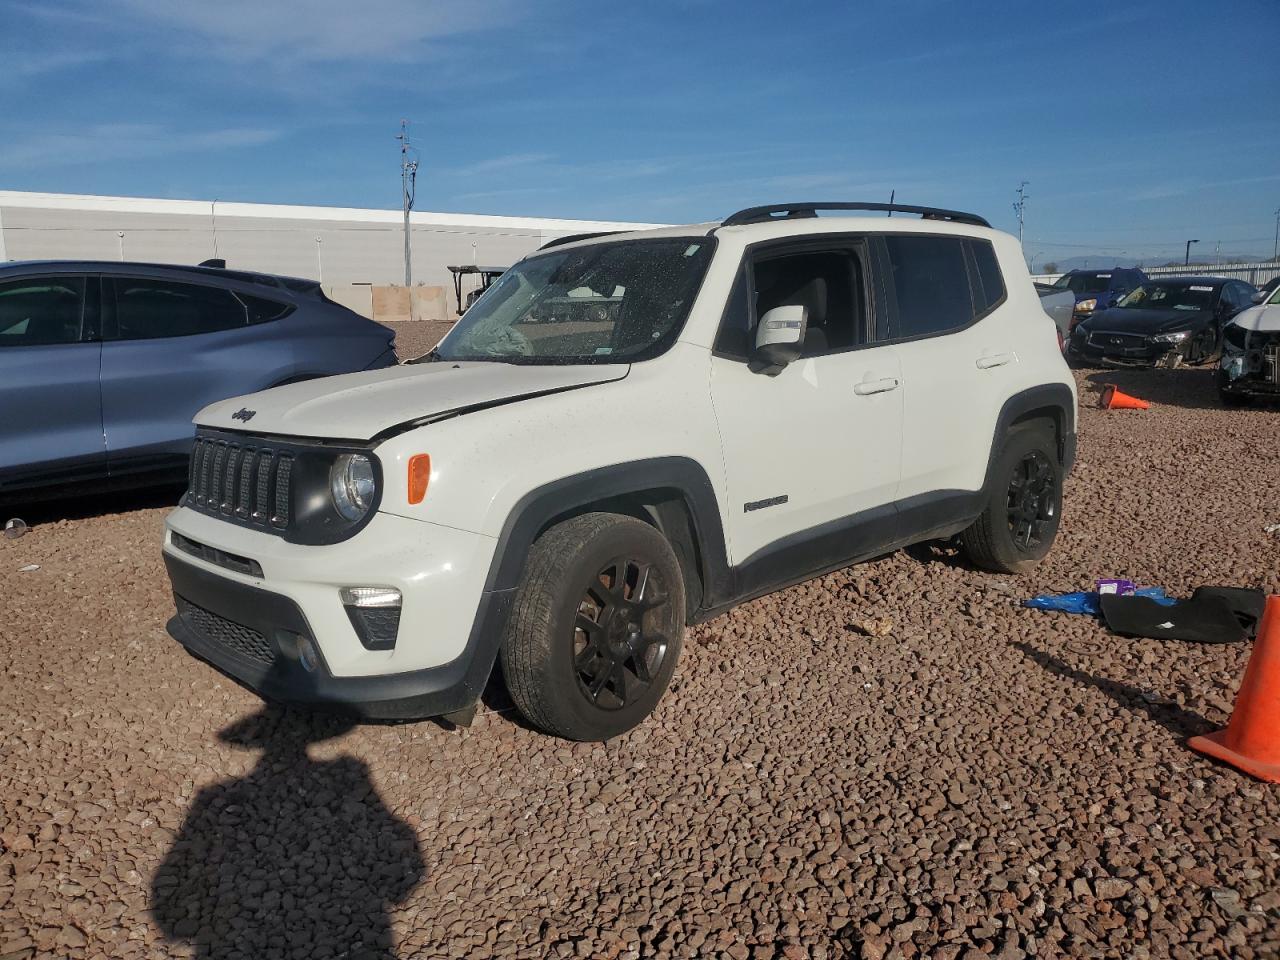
[{"x": 1138, "y": 125}]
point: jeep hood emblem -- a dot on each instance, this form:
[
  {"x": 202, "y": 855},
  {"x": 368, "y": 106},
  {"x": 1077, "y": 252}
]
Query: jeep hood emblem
[{"x": 244, "y": 414}]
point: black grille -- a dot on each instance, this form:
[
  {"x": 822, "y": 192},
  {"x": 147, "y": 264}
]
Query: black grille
[
  {"x": 249, "y": 481},
  {"x": 1117, "y": 340},
  {"x": 227, "y": 633}
]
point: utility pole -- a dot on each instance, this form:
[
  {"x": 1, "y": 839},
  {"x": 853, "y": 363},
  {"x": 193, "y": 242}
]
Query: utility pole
[
  {"x": 1020, "y": 206},
  {"x": 1187, "y": 259},
  {"x": 1275, "y": 250},
  {"x": 120, "y": 237},
  {"x": 213, "y": 220},
  {"x": 319, "y": 261},
  {"x": 408, "y": 182}
]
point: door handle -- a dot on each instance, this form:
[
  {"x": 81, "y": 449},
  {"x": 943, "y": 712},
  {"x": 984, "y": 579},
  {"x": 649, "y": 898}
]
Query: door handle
[
  {"x": 995, "y": 360},
  {"x": 883, "y": 385}
]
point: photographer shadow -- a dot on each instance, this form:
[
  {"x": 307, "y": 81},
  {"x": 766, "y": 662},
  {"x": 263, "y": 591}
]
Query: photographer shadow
[{"x": 300, "y": 858}]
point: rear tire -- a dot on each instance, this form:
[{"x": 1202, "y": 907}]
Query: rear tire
[
  {"x": 1023, "y": 506},
  {"x": 596, "y": 628}
]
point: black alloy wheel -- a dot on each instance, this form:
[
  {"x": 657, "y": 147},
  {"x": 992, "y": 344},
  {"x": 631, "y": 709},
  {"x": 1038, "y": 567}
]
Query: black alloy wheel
[
  {"x": 618, "y": 642},
  {"x": 596, "y": 626},
  {"x": 1032, "y": 500}
]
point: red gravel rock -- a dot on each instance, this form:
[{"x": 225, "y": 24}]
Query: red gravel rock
[{"x": 980, "y": 780}]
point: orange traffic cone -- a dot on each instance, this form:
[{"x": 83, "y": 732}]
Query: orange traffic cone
[
  {"x": 1113, "y": 399},
  {"x": 1251, "y": 741}
]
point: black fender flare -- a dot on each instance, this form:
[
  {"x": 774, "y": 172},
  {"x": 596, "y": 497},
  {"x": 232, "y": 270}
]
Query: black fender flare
[
  {"x": 682, "y": 477},
  {"x": 539, "y": 508},
  {"x": 1052, "y": 399}
]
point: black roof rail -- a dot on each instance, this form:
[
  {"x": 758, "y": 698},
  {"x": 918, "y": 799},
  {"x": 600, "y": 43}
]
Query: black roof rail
[
  {"x": 575, "y": 237},
  {"x": 798, "y": 211}
]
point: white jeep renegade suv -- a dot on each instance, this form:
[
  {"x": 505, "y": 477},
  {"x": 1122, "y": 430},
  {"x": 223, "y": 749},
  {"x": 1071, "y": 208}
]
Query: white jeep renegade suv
[{"x": 626, "y": 434}]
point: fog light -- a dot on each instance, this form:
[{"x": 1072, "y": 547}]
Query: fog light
[
  {"x": 300, "y": 648},
  {"x": 308, "y": 656},
  {"x": 374, "y": 613}
]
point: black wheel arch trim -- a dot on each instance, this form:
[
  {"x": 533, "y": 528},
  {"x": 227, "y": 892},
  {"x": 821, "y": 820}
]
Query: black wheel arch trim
[
  {"x": 1053, "y": 399},
  {"x": 682, "y": 477}
]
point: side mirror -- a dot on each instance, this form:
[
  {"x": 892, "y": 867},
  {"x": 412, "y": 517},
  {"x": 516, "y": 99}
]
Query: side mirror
[
  {"x": 779, "y": 338},
  {"x": 1259, "y": 296}
]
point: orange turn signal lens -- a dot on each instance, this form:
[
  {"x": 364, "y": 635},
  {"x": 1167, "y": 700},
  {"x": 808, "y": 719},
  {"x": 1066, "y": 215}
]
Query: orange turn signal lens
[{"x": 419, "y": 476}]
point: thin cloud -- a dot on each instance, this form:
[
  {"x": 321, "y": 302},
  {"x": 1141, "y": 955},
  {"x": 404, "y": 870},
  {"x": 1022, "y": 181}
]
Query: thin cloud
[
  {"x": 508, "y": 161},
  {"x": 19, "y": 66},
  {"x": 325, "y": 30},
  {"x": 514, "y": 192},
  {"x": 104, "y": 142},
  {"x": 49, "y": 11}
]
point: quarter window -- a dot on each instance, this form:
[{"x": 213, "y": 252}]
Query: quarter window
[
  {"x": 262, "y": 310},
  {"x": 148, "y": 309},
  {"x": 989, "y": 290},
  {"x": 930, "y": 283},
  {"x": 40, "y": 311}
]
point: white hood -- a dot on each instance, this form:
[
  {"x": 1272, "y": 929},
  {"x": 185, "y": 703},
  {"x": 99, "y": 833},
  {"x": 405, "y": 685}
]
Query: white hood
[
  {"x": 358, "y": 406},
  {"x": 1263, "y": 317}
]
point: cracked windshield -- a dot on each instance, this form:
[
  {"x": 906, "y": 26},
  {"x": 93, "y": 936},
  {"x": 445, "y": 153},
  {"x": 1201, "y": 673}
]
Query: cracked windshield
[{"x": 602, "y": 303}]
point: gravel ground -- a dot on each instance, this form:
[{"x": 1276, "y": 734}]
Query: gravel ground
[{"x": 893, "y": 761}]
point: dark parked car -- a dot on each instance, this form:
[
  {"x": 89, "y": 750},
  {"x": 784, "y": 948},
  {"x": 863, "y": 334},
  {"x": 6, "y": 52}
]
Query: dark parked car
[
  {"x": 1178, "y": 315},
  {"x": 1098, "y": 289},
  {"x": 103, "y": 365}
]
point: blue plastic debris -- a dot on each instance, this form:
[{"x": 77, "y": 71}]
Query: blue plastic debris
[{"x": 1089, "y": 601}]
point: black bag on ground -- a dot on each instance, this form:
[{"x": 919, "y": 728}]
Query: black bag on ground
[
  {"x": 1203, "y": 620},
  {"x": 1247, "y": 604}
]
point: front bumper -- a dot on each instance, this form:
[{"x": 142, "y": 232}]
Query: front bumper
[
  {"x": 255, "y": 628},
  {"x": 1136, "y": 352}
]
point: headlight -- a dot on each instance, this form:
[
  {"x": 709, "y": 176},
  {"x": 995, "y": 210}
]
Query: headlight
[
  {"x": 1084, "y": 306},
  {"x": 1176, "y": 337},
  {"x": 353, "y": 485}
]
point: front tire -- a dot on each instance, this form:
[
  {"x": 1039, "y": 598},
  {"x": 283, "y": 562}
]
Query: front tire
[
  {"x": 596, "y": 628},
  {"x": 1023, "y": 506}
]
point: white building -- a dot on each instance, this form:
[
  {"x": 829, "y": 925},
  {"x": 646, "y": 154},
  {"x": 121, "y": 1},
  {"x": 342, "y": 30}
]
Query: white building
[{"x": 337, "y": 245}]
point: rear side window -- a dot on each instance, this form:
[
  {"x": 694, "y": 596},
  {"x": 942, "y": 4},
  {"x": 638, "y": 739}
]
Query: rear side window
[
  {"x": 930, "y": 282},
  {"x": 149, "y": 309},
  {"x": 989, "y": 286},
  {"x": 42, "y": 311}
]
